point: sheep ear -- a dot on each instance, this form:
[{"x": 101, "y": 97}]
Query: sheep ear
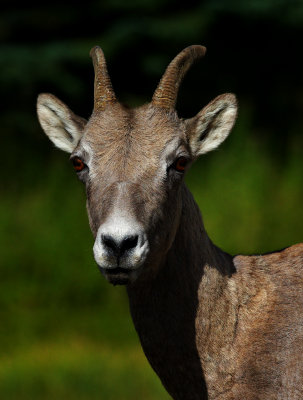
[
  {"x": 211, "y": 126},
  {"x": 61, "y": 125}
]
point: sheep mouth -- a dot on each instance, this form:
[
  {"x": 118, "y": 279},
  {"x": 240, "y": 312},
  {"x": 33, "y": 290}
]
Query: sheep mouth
[{"x": 117, "y": 276}]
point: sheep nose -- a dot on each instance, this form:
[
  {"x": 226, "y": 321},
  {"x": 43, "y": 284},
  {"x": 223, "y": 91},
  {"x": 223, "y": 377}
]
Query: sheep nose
[{"x": 119, "y": 247}]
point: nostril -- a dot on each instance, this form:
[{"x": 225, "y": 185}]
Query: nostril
[
  {"x": 119, "y": 247},
  {"x": 128, "y": 243},
  {"x": 109, "y": 242}
]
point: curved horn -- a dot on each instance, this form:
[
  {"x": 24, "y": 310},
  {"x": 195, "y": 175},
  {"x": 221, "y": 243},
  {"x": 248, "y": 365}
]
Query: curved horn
[
  {"x": 166, "y": 93},
  {"x": 104, "y": 93}
]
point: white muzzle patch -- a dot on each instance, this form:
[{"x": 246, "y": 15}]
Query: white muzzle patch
[{"x": 120, "y": 243}]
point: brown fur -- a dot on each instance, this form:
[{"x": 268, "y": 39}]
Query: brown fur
[{"x": 212, "y": 326}]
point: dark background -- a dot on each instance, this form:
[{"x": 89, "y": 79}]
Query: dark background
[{"x": 64, "y": 332}]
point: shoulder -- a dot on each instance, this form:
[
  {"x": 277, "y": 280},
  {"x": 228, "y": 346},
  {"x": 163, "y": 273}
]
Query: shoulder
[
  {"x": 278, "y": 275},
  {"x": 287, "y": 257}
]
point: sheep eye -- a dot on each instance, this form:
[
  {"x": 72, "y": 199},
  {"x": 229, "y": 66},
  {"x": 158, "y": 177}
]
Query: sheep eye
[
  {"x": 78, "y": 164},
  {"x": 180, "y": 164}
]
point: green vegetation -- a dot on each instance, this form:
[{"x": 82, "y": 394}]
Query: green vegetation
[{"x": 65, "y": 332}]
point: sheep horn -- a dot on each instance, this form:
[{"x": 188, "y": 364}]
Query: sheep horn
[
  {"x": 103, "y": 90},
  {"x": 166, "y": 93}
]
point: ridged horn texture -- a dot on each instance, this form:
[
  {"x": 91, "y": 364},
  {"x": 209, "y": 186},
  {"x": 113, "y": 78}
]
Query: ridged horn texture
[
  {"x": 103, "y": 90},
  {"x": 166, "y": 93}
]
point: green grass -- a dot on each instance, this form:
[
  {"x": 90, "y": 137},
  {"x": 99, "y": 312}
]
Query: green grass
[
  {"x": 66, "y": 333},
  {"x": 251, "y": 203},
  {"x": 75, "y": 368}
]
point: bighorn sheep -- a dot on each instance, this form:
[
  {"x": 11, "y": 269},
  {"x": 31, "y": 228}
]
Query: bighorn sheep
[{"x": 212, "y": 326}]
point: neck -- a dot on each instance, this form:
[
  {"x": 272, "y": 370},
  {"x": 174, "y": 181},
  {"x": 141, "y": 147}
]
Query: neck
[{"x": 174, "y": 314}]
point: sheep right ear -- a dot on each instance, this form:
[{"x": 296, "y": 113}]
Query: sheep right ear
[
  {"x": 61, "y": 125},
  {"x": 211, "y": 126}
]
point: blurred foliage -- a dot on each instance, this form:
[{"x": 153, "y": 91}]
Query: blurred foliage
[{"x": 65, "y": 333}]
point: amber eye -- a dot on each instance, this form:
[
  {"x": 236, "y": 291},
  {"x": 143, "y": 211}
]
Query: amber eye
[
  {"x": 78, "y": 164},
  {"x": 180, "y": 164}
]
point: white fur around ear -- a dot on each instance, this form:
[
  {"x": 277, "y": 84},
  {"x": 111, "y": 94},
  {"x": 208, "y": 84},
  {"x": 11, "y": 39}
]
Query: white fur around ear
[
  {"x": 61, "y": 125},
  {"x": 211, "y": 126}
]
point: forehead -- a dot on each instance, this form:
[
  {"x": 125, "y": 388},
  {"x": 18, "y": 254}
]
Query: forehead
[{"x": 140, "y": 135}]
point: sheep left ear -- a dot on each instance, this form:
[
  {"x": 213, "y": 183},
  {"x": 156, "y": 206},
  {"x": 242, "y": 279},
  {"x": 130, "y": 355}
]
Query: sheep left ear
[
  {"x": 61, "y": 125},
  {"x": 211, "y": 126}
]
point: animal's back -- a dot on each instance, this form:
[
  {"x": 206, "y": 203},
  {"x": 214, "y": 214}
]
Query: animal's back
[{"x": 269, "y": 331}]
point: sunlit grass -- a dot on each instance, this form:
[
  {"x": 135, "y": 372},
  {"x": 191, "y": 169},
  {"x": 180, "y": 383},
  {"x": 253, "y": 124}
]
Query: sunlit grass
[
  {"x": 249, "y": 203},
  {"x": 74, "y": 368}
]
